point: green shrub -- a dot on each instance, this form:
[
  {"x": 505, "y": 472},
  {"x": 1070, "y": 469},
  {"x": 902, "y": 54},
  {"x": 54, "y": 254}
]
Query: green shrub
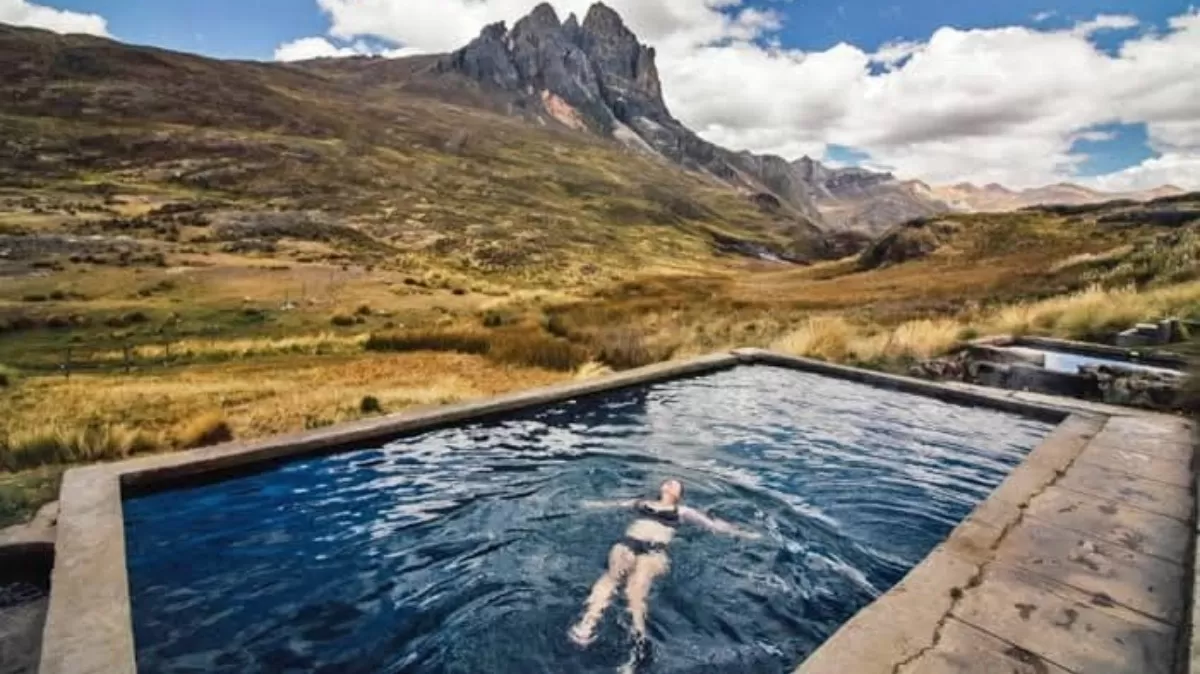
[
  {"x": 511, "y": 347},
  {"x": 538, "y": 350},
  {"x": 342, "y": 320},
  {"x": 363, "y": 310},
  {"x": 493, "y": 318},
  {"x": 429, "y": 340},
  {"x": 370, "y": 405}
]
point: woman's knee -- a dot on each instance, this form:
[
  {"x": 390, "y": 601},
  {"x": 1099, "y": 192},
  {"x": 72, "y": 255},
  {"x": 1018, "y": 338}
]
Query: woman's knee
[{"x": 620, "y": 559}]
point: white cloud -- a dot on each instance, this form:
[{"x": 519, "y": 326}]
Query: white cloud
[
  {"x": 894, "y": 53},
  {"x": 307, "y": 48},
  {"x": 23, "y": 13},
  {"x": 1180, "y": 170},
  {"x": 1042, "y": 17},
  {"x": 999, "y": 104},
  {"x": 1105, "y": 22}
]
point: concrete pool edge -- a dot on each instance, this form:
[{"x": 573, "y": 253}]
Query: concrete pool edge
[
  {"x": 89, "y": 624},
  {"x": 906, "y": 621}
]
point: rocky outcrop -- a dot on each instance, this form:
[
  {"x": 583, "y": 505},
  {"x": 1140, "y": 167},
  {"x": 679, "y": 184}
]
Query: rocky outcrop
[
  {"x": 910, "y": 241},
  {"x": 1136, "y": 388}
]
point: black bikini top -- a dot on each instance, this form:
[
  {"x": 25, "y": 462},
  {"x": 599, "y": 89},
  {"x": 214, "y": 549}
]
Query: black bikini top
[{"x": 668, "y": 518}]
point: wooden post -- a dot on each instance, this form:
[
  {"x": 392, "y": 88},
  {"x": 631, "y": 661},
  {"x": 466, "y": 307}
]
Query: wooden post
[
  {"x": 128, "y": 363},
  {"x": 67, "y": 365},
  {"x": 166, "y": 352}
]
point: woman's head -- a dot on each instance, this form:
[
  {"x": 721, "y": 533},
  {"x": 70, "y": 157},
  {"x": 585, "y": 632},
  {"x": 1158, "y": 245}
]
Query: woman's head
[{"x": 671, "y": 491}]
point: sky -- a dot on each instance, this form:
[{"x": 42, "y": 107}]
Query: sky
[{"x": 1022, "y": 92}]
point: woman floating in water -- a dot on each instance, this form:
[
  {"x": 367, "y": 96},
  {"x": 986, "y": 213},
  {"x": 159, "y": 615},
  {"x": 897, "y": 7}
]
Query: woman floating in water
[{"x": 641, "y": 557}]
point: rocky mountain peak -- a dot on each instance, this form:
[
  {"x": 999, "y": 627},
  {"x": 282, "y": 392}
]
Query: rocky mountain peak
[
  {"x": 596, "y": 76},
  {"x": 571, "y": 28},
  {"x": 601, "y": 18},
  {"x": 543, "y": 19}
]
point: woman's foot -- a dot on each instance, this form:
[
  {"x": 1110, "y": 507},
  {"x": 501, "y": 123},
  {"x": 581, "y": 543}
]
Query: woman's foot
[
  {"x": 638, "y": 656},
  {"x": 582, "y": 635}
]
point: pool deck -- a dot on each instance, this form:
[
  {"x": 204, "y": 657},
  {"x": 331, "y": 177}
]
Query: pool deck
[{"x": 1080, "y": 561}]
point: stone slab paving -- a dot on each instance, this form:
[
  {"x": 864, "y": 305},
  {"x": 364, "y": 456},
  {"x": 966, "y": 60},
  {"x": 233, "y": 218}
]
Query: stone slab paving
[{"x": 1079, "y": 563}]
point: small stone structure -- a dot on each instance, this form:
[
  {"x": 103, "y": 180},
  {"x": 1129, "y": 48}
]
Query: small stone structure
[{"x": 1019, "y": 365}]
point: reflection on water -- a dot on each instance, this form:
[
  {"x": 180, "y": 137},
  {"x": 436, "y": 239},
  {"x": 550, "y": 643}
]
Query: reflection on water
[
  {"x": 464, "y": 550},
  {"x": 1072, "y": 363}
]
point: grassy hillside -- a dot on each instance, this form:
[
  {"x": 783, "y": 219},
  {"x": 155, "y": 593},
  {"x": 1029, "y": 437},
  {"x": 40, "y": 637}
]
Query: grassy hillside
[{"x": 82, "y": 116}]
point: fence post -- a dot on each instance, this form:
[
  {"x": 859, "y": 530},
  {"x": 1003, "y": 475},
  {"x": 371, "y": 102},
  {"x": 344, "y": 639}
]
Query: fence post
[
  {"x": 128, "y": 364},
  {"x": 67, "y": 365}
]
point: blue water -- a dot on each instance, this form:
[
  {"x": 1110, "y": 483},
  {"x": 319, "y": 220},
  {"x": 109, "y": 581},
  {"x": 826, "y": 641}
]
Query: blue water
[
  {"x": 464, "y": 550},
  {"x": 1071, "y": 363}
]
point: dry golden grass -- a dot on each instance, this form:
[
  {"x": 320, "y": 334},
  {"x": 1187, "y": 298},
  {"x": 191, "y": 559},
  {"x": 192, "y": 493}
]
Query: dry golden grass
[
  {"x": 835, "y": 338},
  {"x": 1087, "y": 314},
  {"x": 255, "y": 399},
  {"x": 1094, "y": 311},
  {"x": 64, "y": 441},
  {"x": 209, "y": 428},
  {"x": 826, "y": 337},
  {"x": 326, "y": 343}
]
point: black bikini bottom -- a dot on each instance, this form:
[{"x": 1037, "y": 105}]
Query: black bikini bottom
[{"x": 639, "y": 547}]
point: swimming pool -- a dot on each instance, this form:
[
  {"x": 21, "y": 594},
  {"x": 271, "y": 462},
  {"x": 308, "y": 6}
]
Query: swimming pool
[{"x": 465, "y": 549}]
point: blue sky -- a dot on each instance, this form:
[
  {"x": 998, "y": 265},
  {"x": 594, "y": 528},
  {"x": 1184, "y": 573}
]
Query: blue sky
[
  {"x": 252, "y": 29},
  {"x": 255, "y": 29}
]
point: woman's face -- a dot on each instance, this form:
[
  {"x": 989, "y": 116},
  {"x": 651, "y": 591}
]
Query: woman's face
[{"x": 671, "y": 491}]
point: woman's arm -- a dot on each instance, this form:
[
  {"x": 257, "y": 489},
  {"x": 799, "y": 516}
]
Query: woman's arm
[
  {"x": 596, "y": 505},
  {"x": 715, "y": 525}
]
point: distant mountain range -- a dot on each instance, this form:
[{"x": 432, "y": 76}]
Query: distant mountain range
[{"x": 965, "y": 197}]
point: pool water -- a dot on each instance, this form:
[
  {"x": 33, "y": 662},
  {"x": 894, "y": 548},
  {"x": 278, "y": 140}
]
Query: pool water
[
  {"x": 1071, "y": 363},
  {"x": 466, "y": 550}
]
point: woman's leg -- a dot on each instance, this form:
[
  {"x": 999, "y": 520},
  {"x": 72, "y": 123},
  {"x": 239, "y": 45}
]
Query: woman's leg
[
  {"x": 620, "y": 561},
  {"x": 637, "y": 591}
]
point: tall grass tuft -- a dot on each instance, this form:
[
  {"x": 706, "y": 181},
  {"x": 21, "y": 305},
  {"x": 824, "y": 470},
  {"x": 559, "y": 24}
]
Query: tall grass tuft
[
  {"x": 825, "y": 337},
  {"x": 59, "y": 442},
  {"x": 209, "y": 428},
  {"x": 625, "y": 348}
]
